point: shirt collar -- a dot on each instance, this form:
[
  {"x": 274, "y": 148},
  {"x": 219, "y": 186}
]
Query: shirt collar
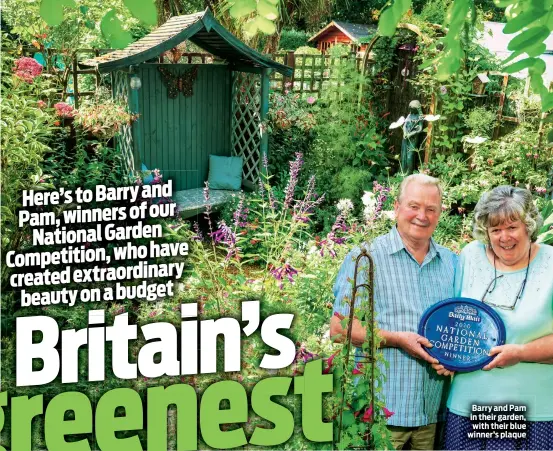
[{"x": 397, "y": 244}]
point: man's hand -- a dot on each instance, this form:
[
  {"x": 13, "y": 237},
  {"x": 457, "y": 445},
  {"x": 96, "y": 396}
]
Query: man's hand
[
  {"x": 506, "y": 355},
  {"x": 441, "y": 370},
  {"x": 414, "y": 345}
]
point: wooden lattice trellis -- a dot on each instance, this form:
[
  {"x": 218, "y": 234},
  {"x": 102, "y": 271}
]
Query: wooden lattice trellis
[
  {"x": 124, "y": 140},
  {"x": 246, "y": 128}
]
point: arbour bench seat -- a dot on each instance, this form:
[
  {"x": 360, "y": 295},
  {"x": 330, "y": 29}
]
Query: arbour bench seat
[{"x": 191, "y": 201}]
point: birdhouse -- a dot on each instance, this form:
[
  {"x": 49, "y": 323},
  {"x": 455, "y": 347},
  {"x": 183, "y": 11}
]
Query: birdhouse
[{"x": 479, "y": 84}]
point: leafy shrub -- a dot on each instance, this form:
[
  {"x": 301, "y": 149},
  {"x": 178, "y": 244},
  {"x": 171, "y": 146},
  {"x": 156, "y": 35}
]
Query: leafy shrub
[
  {"x": 103, "y": 119},
  {"x": 480, "y": 121},
  {"x": 293, "y": 39},
  {"x": 338, "y": 50},
  {"x": 307, "y": 51}
]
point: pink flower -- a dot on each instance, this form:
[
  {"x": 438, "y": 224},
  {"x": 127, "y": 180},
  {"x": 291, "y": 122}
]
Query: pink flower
[
  {"x": 311, "y": 100},
  {"x": 368, "y": 416},
  {"x": 64, "y": 109},
  {"x": 387, "y": 413},
  {"x": 329, "y": 363},
  {"x": 41, "y": 104},
  {"x": 27, "y": 69}
]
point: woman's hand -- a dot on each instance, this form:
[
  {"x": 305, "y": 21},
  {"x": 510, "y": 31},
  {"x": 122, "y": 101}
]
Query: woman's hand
[
  {"x": 506, "y": 355},
  {"x": 441, "y": 370}
]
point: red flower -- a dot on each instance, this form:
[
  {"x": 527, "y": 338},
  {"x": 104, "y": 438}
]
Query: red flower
[
  {"x": 329, "y": 363},
  {"x": 368, "y": 416}
]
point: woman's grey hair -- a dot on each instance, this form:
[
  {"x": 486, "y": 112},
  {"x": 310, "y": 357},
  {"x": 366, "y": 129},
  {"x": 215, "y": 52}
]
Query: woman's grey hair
[
  {"x": 422, "y": 179},
  {"x": 505, "y": 203}
]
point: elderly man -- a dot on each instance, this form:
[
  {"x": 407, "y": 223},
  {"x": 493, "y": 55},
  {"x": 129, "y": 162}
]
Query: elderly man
[{"x": 412, "y": 273}]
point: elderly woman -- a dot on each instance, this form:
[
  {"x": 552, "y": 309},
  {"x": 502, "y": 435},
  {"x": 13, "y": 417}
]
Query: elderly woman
[{"x": 510, "y": 272}]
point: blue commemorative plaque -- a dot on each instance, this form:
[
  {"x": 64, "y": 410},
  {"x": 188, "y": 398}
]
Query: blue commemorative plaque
[{"x": 462, "y": 332}]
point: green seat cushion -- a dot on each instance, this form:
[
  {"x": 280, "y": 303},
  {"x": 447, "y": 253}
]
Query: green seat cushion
[{"x": 225, "y": 172}]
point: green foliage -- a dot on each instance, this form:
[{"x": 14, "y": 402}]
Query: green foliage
[
  {"x": 514, "y": 159},
  {"x": 52, "y": 10},
  {"x": 531, "y": 16},
  {"x": 339, "y": 50},
  {"x": 347, "y": 134},
  {"x": 290, "y": 123},
  {"x": 306, "y": 50},
  {"x": 546, "y": 232},
  {"x": 350, "y": 182},
  {"x": 143, "y": 10},
  {"x": 391, "y": 16},
  {"x": 291, "y": 39},
  {"x": 26, "y": 128},
  {"x": 79, "y": 28},
  {"x": 480, "y": 121},
  {"x": 435, "y": 11},
  {"x": 113, "y": 31}
]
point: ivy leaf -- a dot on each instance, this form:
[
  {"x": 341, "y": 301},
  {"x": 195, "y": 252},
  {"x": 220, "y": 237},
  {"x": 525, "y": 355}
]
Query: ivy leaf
[
  {"x": 523, "y": 20},
  {"x": 504, "y": 3},
  {"x": 348, "y": 418},
  {"x": 90, "y": 24},
  {"x": 391, "y": 16},
  {"x": 528, "y": 38},
  {"x": 537, "y": 50},
  {"x": 549, "y": 140},
  {"x": 83, "y": 9},
  {"x": 267, "y": 10},
  {"x": 546, "y": 101},
  {"x": 520, "y": 65},
  {"x": 242, "y": 8},
  {"x": 265, "y": 25},
  {"x": 111, "y": 28},
  {"x": 52, "y": 10},
  {"x": 143, "y": 10}
]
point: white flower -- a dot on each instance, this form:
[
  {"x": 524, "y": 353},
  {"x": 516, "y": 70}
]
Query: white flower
[
  {"x": 389, "y": 214},
  {"x": 368, "y": 212},
  {"x": 369, "y": 199},
  {"x": 397, "y": 123},
  {"x": 344, "y": 206},
  {"x": 474, "y": 139},
  {"x": 431, "y": 117}
]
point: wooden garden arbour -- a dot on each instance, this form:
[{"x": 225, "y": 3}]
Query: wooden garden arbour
[{"x": 224, "y": 116}]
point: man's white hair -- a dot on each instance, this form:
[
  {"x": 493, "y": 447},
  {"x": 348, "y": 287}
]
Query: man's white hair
[{"x": 422, "y": 179}]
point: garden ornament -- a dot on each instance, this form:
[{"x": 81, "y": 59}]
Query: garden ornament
[
  {"x": 412, "y": 127},
  {"x": 368, "y": 316}
]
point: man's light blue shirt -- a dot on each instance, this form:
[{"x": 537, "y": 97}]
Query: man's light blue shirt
[{"x": 403, "y": 290}]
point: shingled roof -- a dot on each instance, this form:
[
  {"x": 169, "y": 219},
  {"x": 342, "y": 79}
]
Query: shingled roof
[
  {"x": 200, "y": 28},
  {"x": 354, "y": 31}
]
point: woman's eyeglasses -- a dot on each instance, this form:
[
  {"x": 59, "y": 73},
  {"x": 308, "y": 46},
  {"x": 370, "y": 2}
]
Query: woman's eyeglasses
[{"x": 490, "y": 289}]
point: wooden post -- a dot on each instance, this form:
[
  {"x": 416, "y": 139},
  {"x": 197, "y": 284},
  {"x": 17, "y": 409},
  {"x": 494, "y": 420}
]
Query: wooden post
[
  {"x": 264, "y": 111},
  {"x": 289, "y": 60},
  {"x": 542, "y": 123},
  {"x": 312, "y": 73},
  {"x": 302, "y": 79},
  {"x": 428, "y": 146},
  {"x": 501, "y": 105},
  {"x": 75, "y": 80},
  {"x": 134, "y": 106}
]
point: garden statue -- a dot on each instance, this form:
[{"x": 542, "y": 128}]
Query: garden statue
[{"x": 412, "y": 128}]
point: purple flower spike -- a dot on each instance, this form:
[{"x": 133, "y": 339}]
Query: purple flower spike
[
  {"x": 285, "y": 271},
  {"x": 295, "y": 167}
]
